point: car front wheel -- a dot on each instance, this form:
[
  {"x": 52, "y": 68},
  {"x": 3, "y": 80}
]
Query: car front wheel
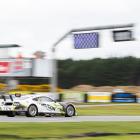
[
  {"x": 70, "y": 111},
  {"x": 32, "y": 111}
]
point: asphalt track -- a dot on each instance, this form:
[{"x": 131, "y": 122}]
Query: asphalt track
[{"x": 69, "y": 119}]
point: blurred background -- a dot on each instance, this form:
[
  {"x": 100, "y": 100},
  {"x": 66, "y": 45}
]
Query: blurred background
[{"x": 84, "y": 52}]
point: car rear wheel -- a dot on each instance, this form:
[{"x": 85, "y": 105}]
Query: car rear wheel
[
  {"x": 11, "y": 114},
  {"x": 32, "y": 111},
  {"x": 70, "y": 111}
]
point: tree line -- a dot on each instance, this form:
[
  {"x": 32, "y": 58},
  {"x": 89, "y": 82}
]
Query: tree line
[{"x": 99, "y": 72}]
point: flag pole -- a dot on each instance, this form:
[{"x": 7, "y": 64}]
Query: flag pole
[
  {"x": 54, "y": 72},
  {"x": 54, "y": 78}
]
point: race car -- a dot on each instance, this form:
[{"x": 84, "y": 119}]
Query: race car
[{"x": 33, "y": 105}]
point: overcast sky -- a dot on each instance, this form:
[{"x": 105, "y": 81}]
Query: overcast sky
[{"x": 37, "y": 24}]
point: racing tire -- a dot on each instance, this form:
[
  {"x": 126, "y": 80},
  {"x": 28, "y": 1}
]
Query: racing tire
[
  {"x": 32, "y": 111},
  {"x": 11, "y": 114},
  {"x": 69, "y": 111}
]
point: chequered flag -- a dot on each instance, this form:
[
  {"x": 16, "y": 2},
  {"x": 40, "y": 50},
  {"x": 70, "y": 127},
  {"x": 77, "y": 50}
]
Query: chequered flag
[{"x": 86, "y": 40}]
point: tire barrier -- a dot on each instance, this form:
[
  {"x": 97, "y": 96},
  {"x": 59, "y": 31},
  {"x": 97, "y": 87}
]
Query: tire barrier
[
  {"x": 124, "y": 98},
  {"x": 99, "y": 96}
]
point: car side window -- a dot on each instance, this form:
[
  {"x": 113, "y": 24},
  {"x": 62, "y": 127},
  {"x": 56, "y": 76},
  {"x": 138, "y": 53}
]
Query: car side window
[
  {"x": 46, "y": 99},
  {"x": 43, "y": 99},
  {"x": 36, "y": 99}
]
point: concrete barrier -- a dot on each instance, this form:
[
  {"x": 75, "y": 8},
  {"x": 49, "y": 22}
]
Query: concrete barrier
[{"x": 73, "y": 97}]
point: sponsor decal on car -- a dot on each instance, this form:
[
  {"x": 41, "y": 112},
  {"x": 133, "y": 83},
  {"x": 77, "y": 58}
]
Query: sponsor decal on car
[{"x": 49, "y": 107}]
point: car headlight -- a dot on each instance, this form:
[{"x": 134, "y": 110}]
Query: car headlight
[{"x": 16, "y": 104}]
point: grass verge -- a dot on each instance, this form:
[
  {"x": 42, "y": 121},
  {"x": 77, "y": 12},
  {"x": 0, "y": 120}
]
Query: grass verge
[
  {"x": 110, "y": 110},
  {"x": 65, "y": 131}
]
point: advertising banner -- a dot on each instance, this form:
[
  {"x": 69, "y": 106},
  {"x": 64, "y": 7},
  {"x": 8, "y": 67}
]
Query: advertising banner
[
  {"x": 15, "y": 67},
  {"x": 4, "y": 67},
  {"x": 99, "y": 96}
]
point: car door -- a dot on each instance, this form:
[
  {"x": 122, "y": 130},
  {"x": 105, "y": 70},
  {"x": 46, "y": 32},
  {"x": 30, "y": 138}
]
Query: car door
[{"x": 48, "y": 105}]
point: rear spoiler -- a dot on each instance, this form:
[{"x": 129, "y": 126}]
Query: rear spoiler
[
  {"x": 10, "y": 96},
  {"x": 4, "y": 98}
]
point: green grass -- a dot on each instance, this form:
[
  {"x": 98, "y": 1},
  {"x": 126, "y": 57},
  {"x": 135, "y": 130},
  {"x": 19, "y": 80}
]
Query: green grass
[
  {"x": 110, "y": 110},
  {"x": 45, "y": 131}
]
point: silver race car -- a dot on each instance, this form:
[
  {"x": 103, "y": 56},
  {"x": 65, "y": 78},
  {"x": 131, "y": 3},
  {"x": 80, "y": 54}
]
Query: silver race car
[{"x": 34, "y": 104}]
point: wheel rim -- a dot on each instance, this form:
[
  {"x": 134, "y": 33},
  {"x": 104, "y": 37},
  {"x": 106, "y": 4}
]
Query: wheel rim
[
  {"x": 70, "y": 110},
  {"x": 32, "y": 110}
]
